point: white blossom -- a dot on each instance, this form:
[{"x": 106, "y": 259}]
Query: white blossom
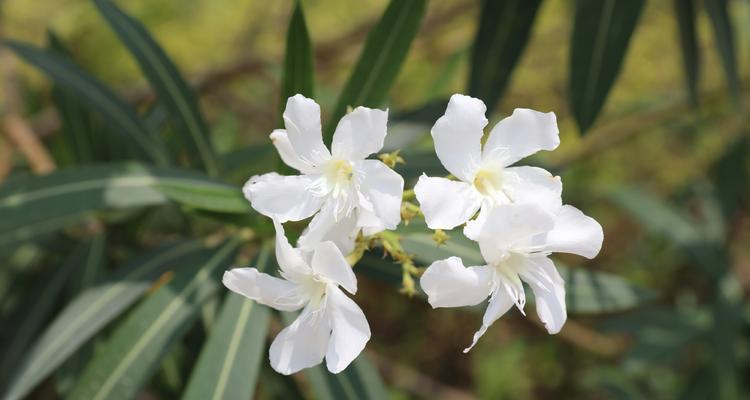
[
  {"x": 485, "y": 178},
  {"x": 330, "y": 326},
  {"x": 345, "y": 191},
  {"x": 515, "y": 241}
]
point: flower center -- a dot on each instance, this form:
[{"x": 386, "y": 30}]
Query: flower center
[
  {"x": 339, "y": 174},
  {"x": 314, "y": 287},
  {"x": 488, "y": 182}
]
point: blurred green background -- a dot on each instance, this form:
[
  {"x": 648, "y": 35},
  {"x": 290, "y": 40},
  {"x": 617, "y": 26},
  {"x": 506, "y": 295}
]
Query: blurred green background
[{"x": 665, "y": 177}]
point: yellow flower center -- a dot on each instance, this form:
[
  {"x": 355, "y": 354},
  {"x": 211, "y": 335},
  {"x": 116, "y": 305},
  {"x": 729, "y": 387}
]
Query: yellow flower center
[
  {"x": 488, "y": 182},
  {"x": 339, "y": 174}
]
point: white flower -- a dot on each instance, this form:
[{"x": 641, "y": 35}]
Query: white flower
[
  {"x": 485, "y": 180},
  {"x": 350, "y": 192},
  {"x": 515, "y": 241},
  {"x": 331, "y": 325}
]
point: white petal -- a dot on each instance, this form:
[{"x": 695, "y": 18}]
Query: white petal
[
  {"x": 286, "y": 198},
  {"x": 523, "y": 133},
  {"x": 457, "y": 136},
  {"x": 359, "y": 134},
  {"x": 445, "y": 203},
  {"x": 370, "y": 223},
  {"x": 549, "y": 294},
  {"x": 324, "y": 227},
  {"x": 263, "y": 288},
  {"x": 328, "y": 261},
  {"x": 448, "y": 283},
  {"x": 383, "y": 188},
  {"x": 302, "y": 344},
  {"x": 510, "y": 226},
  {"x": 280, "y": 140},
  {"x": 533, "y": 185},
  {"x": 290, "y": 260},
  {"x": 499, "y": 304},
  {"x": 350, "y": 330},
  {"x": 302, "y": 121},
  {"x": 574, "y": 232}
]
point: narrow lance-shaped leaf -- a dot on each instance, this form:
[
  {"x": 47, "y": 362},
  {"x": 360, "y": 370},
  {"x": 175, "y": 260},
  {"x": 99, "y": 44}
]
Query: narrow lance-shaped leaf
[
  {"x": 230, "y": 362},
  {"x": 299, "y": 67},
  {"x": 38, "y": 308},
  {"x": 96, "y": 96},
  {"x": 92, "y": 310},
  {"x": 504, "y": 28},
  {"x": 685, "y": 14},
  {"x": 601, "y": 34},
  {"x": 724, "y": 38},
  {"x": 384, "y": 53},
  {"x": 76, "y": 123},
  {"x": 170, "y": 87},
  {"x": 129, "y": 358},
  {"x": 46, "y": 203}
]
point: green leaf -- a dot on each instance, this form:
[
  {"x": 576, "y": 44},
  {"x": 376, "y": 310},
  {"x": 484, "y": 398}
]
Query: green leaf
[
  {"x": 129, "y": 358},
  {"x": 601, "y": 33},
  {"x": 504, "y": 28},
  {"x": 38, "y": 307},
  {"x": 732, "y": 178},
  {"x": 96, "y": 96},
  {"x": 384, "y": 52},
  {"x": 587, "y": 292},
  {"x": 360, "y": 380},
  {"x": 91, "y": 311},
  {"x": 299, "y": 66},
  {"x": 76, "y": 120},
  {"x": 229, "y": 364},
  {"x": 685, "y": 14},
  {"x": 43, "y": 204},
  {"x": 596, "y": 292},
  {"x": 724, "y": 38},
  {"x": 170, "y": 87}
]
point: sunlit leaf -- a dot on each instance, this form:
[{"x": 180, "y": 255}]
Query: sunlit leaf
[
  {"x": 42, "y": 204},
  {"x": 133, "y": 352},
  {"x": 230, "y": 362},
  {"x": 93, "y": 309},
  {"x": 601, "y": 34},
  {"x": 504, "y": 28},
  {"x": 172, "y": 90},
  {"x": 96, "y": 96},
  {"x": 384, "y": 53}
]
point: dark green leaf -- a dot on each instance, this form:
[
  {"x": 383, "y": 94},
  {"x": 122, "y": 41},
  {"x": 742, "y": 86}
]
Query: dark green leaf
[
  {"x": 96, "y": 96},
  {"x": 685, "y": 14},
  {"x": 93, "y": 309},
  {"x": 601, "y": 33},
  {"x": 724, "y": 38},
  {"x": 129, "y": 358},
  {"x": 76, "y": 120},
  {"x": 360, "y": 380},
  {"x": 229, "y": 364},
  {"x": 731, "y": 177},
  {"x": 170, "y": 87},
  {"x": 38, "y": 308},
  {"x": 384, "y": 53},
  {"x": 504, "y": 27},
  {"x": 299, "y": 67},
  {"x": 46, "y": 203}
]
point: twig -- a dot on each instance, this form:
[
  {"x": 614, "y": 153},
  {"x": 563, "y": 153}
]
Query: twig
[{"x": 21, "y": 135}]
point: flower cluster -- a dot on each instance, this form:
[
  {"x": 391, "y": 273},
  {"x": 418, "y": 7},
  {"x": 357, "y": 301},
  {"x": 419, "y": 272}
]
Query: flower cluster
[{"x": 515, "y": 214}]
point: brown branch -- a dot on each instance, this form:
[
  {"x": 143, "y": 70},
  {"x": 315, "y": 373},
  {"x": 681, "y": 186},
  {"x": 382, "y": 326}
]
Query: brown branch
[
  {"x": 581, "y": 336},
  {"x": 20, "y": 134}
]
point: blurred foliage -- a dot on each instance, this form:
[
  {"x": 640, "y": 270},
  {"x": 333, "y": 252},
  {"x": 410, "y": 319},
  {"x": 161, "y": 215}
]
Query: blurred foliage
[{"x": 106, "y": 284}]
